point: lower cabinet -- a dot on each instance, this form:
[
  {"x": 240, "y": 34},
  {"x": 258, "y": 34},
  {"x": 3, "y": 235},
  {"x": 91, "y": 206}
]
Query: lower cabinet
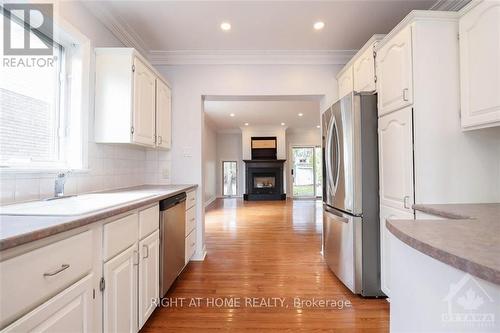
[
  {"x": 385, "y": 244},
  {"x": 68, "y": 311},
  {"x": 149, "y": 274},
  {"x": 120, "y": 292}
]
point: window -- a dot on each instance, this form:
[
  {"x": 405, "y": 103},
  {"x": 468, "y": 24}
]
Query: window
[{"x": 41, "y": 104}]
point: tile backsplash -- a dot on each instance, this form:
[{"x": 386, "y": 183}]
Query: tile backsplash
[{"x": 109, "y": 167}]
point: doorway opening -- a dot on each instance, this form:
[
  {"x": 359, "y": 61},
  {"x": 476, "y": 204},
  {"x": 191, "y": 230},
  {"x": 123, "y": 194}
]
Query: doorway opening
[
  {"x": 229, "y": 178},
  {"x": 307, "y": 172}
]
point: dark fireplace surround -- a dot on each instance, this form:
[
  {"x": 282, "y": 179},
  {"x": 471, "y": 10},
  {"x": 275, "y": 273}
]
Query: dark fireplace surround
[{"x": 264, "y": 180}]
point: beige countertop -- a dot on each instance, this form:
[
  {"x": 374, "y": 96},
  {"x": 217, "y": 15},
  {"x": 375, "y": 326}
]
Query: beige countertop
[
  {"x": 468, "y": 238},
  {"x": 20, "y": 229}
]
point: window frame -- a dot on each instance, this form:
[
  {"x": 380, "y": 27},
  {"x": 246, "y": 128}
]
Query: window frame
[{"x": 74, "y": 103}]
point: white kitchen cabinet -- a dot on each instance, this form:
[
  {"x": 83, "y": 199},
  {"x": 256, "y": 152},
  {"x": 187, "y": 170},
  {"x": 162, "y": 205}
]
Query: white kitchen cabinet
[
  {"x": 127, "y": 100},
  {"x": 395, "y": 72},
  {"x": 387, "y": 213},
  {"x": 68, "y": 311},
  {"x": 144, "y": 94},
  {"x": 364, "y": 71},
  {"x": 480, "y": 65},
  {"x": 345, "y": 81},
  {"x": 149, "y": 273},
  {"x": 396, "y": 160},
  {"x": 163, "y": 115},
  {"x": 120, "y": 292}
]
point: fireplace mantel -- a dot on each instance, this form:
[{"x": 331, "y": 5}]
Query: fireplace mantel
[{"x": 269, "y": 170}]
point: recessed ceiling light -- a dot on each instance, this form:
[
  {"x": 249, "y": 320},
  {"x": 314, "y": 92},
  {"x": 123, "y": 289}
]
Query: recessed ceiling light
[
  {"x": 246, "y": 124},
  {"x": 225, "y": 26},
  {"x": 282, "y": 124},
  {"x": 319, "y": 25},
  {"x": 231, "y": 114},
  {"x": 300, "y": 114},
  {"x": 317, "y": 126}
]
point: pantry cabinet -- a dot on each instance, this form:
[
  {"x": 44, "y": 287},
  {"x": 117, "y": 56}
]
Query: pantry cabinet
[
  {"x": 395, "y": 134},
  {"x": 132, "y": 100},
  {"x": 395, "y": 72},
  {"x": 480, "y": 65}
]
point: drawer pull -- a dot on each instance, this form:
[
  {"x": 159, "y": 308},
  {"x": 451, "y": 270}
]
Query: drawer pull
[
  {"x": 193, "y": 244},
  {"x": 57, "y": 271},
  {"x": 192, "y": 220},
  {"x": 147, "y": 251}
]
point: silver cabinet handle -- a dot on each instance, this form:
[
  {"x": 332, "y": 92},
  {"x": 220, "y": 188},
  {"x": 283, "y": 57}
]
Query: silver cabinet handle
[
  {"x": 160, "y": 139},
  {"x": 193, "y": 244},
  {"x": 405, "y": 94},
  {"x": 57, "y": 271},
  {"x": 147, "y": 251},
  {"x": 192, "y": 220},
  {"x": 405, "y": 202}
]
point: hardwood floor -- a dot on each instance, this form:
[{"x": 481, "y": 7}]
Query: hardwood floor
[{"x": 265, "y": 250}]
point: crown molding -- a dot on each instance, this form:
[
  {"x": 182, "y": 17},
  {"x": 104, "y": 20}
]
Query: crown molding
[
  {"x": 251, "y": 57},
  {"x": 117, "y": 26}
]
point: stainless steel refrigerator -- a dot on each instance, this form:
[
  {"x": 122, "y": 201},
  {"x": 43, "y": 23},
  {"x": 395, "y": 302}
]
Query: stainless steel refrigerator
[{"x": 350, "y": 193}]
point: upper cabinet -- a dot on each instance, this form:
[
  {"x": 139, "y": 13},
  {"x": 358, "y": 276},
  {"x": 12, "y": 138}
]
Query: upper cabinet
[
  {"x": 143, "y": 127},
  {"x": 359, "y": 74},
  {"x": 480, "y": 65},
  {"x": 394, "y": 72},
  {"x": 163, "y": 114},
  {"x": 345, "y": 81},
  {"x": 132, "y": 100}
]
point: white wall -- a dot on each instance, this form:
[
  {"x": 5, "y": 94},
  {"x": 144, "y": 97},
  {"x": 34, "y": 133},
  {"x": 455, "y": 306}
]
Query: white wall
[
  {"x": 248, "y": 132},
  {"x": 229, "y": 149},
  {"x": 190, "y": 83},
  {"x": 109, "y": 166},
  {"x": 302, "y": 137},
  {"x": 209, "y": 162}
]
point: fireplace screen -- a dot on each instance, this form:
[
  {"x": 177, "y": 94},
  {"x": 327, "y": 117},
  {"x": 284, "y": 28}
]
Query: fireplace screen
[{"x": 264, "y": 182}]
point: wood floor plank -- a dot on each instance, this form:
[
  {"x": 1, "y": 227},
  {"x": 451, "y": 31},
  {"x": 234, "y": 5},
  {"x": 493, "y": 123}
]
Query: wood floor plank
[{"x": 265, "y": 250}]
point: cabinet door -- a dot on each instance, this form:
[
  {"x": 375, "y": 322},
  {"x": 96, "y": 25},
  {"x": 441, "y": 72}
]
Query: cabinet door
[
  {"x": 68, "y": 311},
  {"x": 480, "y": 65},
  {"x": 345, "y": 83},
  {"x": 364, "y": 72},
  {"x": 385, "y": 245},
  {"x": 163, "y": 115},
  {"x": 144, "y": 104},
  {"x": 149, "y": 275},
  {"x": 396, "y": 159},
  {"x": 394, "y": 73},
  {"x": 120, "y": 292}
]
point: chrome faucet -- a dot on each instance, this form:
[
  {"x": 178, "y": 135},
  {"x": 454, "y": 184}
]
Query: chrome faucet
[{"x": 59, "y": 184}]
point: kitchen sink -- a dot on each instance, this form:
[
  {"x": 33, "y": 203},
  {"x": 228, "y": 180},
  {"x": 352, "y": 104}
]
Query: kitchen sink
[{"x": 75, "y": 205}]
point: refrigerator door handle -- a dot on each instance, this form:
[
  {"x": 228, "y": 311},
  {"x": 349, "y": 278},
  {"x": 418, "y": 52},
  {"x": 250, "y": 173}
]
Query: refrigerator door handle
[{"x": 338, "y": 215}]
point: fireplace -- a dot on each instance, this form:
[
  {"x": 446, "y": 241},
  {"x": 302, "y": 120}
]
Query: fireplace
[{"x": 264, "y": 180}]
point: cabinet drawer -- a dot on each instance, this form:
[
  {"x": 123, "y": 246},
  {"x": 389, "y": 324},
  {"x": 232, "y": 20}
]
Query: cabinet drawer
[
  {"x": 190, "y": 220},
  {"x": 32, "y": 278},
  {"x": 68, "y": 311},
  {"x": 119, "y": 235},
  {"x": 149, "y": 221},
  {"x": 190, "y": 199},
  {"x": 190, "y": 245}
]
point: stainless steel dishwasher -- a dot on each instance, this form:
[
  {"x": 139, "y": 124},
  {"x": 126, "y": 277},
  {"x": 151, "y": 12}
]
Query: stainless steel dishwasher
[{"x": 172, "y": 239}]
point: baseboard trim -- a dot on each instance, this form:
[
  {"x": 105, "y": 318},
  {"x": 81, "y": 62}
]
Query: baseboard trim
[
  {"x": 200, "y": 256},
  {"x": 209, "y": 202}
]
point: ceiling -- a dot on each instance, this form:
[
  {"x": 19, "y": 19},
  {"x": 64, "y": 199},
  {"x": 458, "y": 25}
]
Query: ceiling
[
  {"x": 262, "y": 113},
  {"x": 257, "y": 25}
]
